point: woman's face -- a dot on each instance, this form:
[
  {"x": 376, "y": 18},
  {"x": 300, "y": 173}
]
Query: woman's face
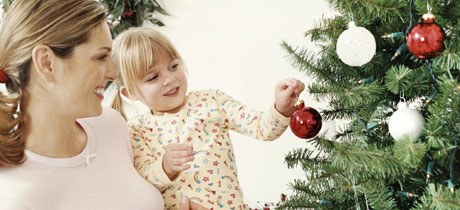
[{"x": 83, "y": 76}]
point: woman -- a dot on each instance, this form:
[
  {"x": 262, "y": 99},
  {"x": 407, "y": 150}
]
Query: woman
[{"x": 55, "y": 61}]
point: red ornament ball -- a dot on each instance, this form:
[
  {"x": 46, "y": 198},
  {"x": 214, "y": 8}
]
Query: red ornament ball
[
  {"x": 305, "y": 121},
  {"x": 425, "y": 40}
]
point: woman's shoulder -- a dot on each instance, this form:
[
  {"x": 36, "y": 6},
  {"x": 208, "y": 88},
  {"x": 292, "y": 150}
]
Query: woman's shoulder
[
  {"x": 108, "y": 123},
  {"x": 108, "y": 115},
  {"x": 112, "y": 114}
]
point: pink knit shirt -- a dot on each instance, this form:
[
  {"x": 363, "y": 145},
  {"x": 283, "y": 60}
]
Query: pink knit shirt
[{"x": 101, "y": 177}]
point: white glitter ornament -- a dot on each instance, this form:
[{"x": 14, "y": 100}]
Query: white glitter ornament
[
  {"x": 405, "y": 122},
  {"x": 356, "y": 46}
]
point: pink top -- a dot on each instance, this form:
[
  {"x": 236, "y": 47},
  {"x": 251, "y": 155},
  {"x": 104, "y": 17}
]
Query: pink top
[{"x": 101, "y": 177}]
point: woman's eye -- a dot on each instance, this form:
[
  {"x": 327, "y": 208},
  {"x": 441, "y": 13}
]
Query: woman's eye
[
  {"x": 152, "y": 78},
  {"x": 102, "y": 58}
]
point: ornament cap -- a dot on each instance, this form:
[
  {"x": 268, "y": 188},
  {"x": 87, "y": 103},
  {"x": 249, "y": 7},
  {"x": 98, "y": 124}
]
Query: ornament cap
[
  {"x": 351, "y": 24},
  {"x": 428, "y": 17},
  {"x": 300, "y": 104},
  {"x": 402, "y": 105}
]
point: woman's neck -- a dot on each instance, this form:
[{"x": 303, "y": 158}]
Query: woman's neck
[{"x": 49, "y": 133}]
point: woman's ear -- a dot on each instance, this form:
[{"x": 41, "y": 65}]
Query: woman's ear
[
  {"x": 42, "y": 59},
  {"x": 125, "y": 92}
]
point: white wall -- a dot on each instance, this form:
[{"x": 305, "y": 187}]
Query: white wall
[{"x": 234, "y": 46}]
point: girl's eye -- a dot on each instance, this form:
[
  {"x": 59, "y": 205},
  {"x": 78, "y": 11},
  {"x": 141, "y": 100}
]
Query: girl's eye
[
  {"x": 174, "y": 66},
  {"x": 152, "y": 78},
  {"x": 102, "y": 58}
]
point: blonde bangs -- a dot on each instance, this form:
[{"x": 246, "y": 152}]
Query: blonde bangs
[{"x": 137, "y": 50}]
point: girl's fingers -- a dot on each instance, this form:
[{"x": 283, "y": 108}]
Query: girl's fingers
[
  {"x": 283, "y": 85},
  {"x": 181, "y": 161},
  {"x": 179, "y": 147},
  {"x": 196, "y": 206},
  {"x": 184, "y": 204},
  {"x": 180, "y": 167},
  {"x": 182, "y": 153},
  {"x": 299, "y": 87}
]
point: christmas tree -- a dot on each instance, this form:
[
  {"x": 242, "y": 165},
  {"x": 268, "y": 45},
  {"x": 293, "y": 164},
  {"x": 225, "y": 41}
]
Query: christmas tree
[
  {"x": 386, "y": 156},
  {"x": 123, "y": 14}
]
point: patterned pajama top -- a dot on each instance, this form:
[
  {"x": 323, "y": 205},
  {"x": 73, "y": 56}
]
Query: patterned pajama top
[{"x": 204, "y": 122}]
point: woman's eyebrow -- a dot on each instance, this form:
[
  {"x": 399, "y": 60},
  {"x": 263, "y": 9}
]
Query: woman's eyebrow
[{"x": 106, "y": 48}]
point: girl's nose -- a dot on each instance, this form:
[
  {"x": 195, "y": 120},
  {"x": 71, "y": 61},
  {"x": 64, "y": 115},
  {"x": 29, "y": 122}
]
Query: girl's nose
[{"x": 168, "y": 80}]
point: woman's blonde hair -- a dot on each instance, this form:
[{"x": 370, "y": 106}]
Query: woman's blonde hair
[
  {"x": 135, "y": 51},
  {"x": 61, "y": 25}
]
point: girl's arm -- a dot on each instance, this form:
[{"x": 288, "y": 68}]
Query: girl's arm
[{"x": 267, "y": 125}]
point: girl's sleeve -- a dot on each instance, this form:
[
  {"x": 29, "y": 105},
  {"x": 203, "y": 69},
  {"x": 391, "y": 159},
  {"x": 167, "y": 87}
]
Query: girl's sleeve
[
  {"x": 267, "y": 125},
  {"x": 148, "y": 164}
]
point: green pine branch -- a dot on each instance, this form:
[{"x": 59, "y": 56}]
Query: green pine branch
[
  {"x": 363, "y": 165},
  {"x": 383, "y": 10}
]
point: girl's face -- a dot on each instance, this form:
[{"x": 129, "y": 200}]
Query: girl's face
[
  {"x": 163, "y": 88},
  {"x": 81, "y": 82}
]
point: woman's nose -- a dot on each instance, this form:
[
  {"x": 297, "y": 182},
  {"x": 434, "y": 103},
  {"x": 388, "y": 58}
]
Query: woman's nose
[{"x": 111, "y": 73}]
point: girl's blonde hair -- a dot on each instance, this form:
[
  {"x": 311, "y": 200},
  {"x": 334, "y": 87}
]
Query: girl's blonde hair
[
  {"x": 61, "y": 25},
  {"x": 135, "y": 51}
]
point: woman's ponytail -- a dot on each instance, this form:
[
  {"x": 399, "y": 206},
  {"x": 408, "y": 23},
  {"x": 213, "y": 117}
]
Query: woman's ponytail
[{"x": 12, "y": 146}]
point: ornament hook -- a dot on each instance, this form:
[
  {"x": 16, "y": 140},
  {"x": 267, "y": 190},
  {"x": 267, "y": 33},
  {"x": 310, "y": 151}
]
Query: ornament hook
[
  {"x": 401, "y": 96},
  {"x": 350, "y": 18},
  {"x": 428, "y": 7}
]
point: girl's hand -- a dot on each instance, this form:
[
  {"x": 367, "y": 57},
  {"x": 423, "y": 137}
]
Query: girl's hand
[
  {"x": 186, "y": 204},
  {"x": 176, "y": 155},
  {"x": 287, "y": 92}
]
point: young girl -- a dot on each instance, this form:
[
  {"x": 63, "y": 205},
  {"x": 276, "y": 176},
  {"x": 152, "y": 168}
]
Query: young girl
[{"x": 183, "y": 145}]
